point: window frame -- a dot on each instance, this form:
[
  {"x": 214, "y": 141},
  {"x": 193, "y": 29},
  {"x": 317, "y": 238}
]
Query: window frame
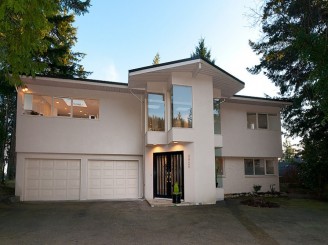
[
  {"x": 52, "y": 106},
  {"x": 261, "y": 160},
  {"x": 190, "y": 125},
  {"x": 268, "y": 119},
  {"x": 164, "y": 113}
]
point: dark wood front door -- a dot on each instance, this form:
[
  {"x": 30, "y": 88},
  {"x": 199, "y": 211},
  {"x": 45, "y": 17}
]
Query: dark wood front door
[{"x": 168, "y": 169}]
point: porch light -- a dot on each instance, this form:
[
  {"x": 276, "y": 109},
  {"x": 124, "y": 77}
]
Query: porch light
[{"x": 24, "y": 88}]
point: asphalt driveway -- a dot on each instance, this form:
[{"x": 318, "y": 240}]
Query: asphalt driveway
[{"x": 135, "y": 222}]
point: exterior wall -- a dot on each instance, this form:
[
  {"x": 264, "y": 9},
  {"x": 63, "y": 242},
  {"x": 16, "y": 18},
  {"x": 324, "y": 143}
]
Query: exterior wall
[
  {"x": 235, "y": 181},
  {"x": 239, "y": 141},
  {"x": 21, "y": 168},
  {"x": 120, "y": 121},
  {"x": 196, "y": 142}
]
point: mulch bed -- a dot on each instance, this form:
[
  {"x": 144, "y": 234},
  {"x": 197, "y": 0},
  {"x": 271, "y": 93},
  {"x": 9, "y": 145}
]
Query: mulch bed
[{"x": 259, "y": 202}]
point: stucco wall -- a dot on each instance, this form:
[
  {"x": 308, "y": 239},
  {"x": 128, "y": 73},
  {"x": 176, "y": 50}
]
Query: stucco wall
[
  {"x": 235, "y": 181},
  {"x": 117, "y": 131},
  {"x": 239, "y": 141}
]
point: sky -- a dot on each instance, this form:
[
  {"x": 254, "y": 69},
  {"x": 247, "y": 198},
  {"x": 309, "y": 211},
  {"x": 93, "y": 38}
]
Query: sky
[{"x": 120, "y": 35}]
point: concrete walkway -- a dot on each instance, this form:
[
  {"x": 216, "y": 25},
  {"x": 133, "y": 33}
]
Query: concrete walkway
[{"x": 137, "y": 223}]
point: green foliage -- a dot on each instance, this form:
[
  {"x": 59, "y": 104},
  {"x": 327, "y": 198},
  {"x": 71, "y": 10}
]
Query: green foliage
[
  {"x": 257, "y": 188},
  {"x": 26, "y": 28},
  {"x": 294, "y": 55},
  {"x": 156, "y": 59},
  {"x": 176, "y": 189},
  {"x": 201, "y": 51}
]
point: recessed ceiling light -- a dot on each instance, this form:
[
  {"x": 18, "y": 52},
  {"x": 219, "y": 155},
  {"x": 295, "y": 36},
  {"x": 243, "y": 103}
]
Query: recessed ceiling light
[
  {"x": 57, "y": 102},
  {"x": 175, "y": 142}
]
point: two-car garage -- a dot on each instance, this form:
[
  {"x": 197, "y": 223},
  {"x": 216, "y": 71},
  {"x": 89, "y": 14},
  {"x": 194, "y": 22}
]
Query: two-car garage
[{"x": 81, "y": 179}]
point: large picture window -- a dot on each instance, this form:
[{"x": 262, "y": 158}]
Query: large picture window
[
  {"x": 60, "y": 106},
  {"x": 259, "y": 166},
  {"x": 181, "y": 103},
  {"x": 156, "y": 112}
]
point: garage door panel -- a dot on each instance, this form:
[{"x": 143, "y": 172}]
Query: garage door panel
[
  {"x": 32, "y": 195},
  {"x": 52, "y": 179},
  {"x": 118, "y": 179},
  {"x": 108, "y": 165},
  {"x": 32, "y": 184},
  {"x": 33, "y": 173},
  {"x": 73, "y": 174},
  {"x": 32, "y": 163},
  {"x": 46, "y": 194},
  {"x": 47, "y": 164},
  {"x": 131, "y": 165},
  {"x": 107, "y": 183},
  {"x": 60, "y": 194},
  {"x": 60, "y": 184},
  {"x": 73, "y": 183},
  {"x": 120, "y": 172},
  {"x": 46, "y": 184},
  {"x": 132, "y": 173},
  {"x": 59, "y": 164},
  {"x": 60, "y": 174},
  {"x": 46, "y": 174},
  {"x": 108, "y": 173},
  {"x": 120, "y": 165},
  {"x": 94, "y": 173}
]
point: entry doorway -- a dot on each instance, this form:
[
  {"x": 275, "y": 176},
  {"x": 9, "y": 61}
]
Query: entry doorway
[{"x": 168, "y": 169}]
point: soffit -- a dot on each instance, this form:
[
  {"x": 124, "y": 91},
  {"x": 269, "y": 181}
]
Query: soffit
[
  {"x": 228, "y": 84},
  {"x": 81, "y": 84},
  {"x": 248, "y": 100}
]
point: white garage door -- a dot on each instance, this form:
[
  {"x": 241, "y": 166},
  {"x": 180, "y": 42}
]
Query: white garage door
[
  {"x": 47, "y": 179},
  {"x": 113, "y": 179}
]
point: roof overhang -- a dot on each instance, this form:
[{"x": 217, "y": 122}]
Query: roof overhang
[
  {"x": 88, "y": 84},
  {"x": 249, "y": 100},
  {"x": 229, "y": 85}
]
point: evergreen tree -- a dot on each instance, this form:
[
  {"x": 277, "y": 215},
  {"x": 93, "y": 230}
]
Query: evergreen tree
[
  {"x": 156, "y": 59},
  {"x": 201, "y": 51},
  {"x": 36, "y": 37},
  {"x": 294, "y": 55}
]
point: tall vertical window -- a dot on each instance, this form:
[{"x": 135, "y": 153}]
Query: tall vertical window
[
  {"x": 156, "y": 112},
  {"x": 219, "y": 168},
  {"x": 217, "y": 116},
  {"x": 181, "y": 104}
]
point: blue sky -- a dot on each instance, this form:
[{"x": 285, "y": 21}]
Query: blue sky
[{"x": 121, "y": 35}]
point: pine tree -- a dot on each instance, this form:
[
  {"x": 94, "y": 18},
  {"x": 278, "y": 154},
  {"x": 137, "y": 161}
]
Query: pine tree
[
  {"x": 201, "y": 51},
  {"x": 294, "y": 55},
  {"x": 156, "y": 59}
]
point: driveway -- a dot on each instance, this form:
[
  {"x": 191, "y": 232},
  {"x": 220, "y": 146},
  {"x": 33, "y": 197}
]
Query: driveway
[{"x": 135, "y": 222}]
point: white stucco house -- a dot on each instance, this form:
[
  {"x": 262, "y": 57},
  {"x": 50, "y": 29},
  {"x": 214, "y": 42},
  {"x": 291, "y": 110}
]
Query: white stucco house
[{"x": 174, "y": 122}]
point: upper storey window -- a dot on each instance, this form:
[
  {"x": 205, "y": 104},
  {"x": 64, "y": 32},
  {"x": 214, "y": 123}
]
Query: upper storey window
[
  {"x": 217, "y": 116},
  {"x": 181, "y": 103},
  {"x": 49, "y": 106},
  {"x": 262, "y": 121},
  {"x": 156, "y": 112}
]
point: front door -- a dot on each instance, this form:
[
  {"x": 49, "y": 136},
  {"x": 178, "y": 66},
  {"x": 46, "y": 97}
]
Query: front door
[{"x": 168, "y": 169}]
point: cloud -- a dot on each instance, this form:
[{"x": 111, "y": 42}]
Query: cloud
[{"x": 111, "y": 73}]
